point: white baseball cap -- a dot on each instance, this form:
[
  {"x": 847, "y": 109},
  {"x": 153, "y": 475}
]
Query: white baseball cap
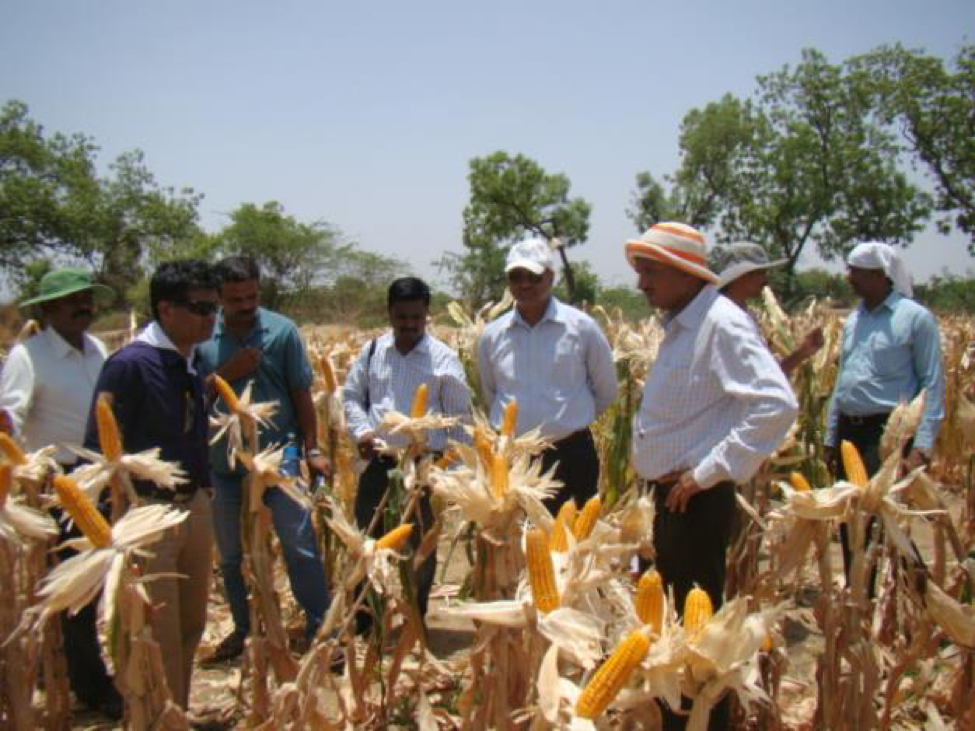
[{"x": 533, "y": 254}]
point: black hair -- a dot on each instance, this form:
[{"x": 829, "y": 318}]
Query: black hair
[
  {"x": 408, "y": 289},
  {"x": 173, "y": 280},
  {"x": 240, "y": 268}
]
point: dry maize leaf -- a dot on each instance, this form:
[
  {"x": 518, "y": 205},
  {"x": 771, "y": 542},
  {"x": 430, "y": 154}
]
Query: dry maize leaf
[
  {"x": 924, "y": 493},
  {"x": 956, "y": 619},
  {"x": 901, "y": 425}
]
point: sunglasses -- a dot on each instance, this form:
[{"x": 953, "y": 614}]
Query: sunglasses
[
  {"x": 523, "y": 275},
  {"x": 201, "y": 308}
]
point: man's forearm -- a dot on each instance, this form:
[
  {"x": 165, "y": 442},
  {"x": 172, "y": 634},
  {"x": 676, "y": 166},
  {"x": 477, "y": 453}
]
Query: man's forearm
[{"x": 307, "y": 418}]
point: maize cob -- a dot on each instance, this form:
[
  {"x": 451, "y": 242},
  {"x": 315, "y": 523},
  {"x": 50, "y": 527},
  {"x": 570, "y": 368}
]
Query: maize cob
[
  {"x": 650, "y": 600},
  {"x": 612, "y": 675},
  {"x": 85, "y": 515},
  {"x": 559, "y": 541},
  {"x": 226, "y": 393},
  {"x": 483, "y": 448},
  {"x": 799, "y": 482},
  {"x": 419, "y": 407},
  {"x": 853, "y": 465},
  {"x": 697, "y": 610},
  {"x": 509, "y": 419},
  {"x": 586, "y": 520},
  {"x": 328, "y": 374},
  {"x": 541, "y": 573},
  {"x": 6, "y": 481},
  {"x": 109, "y": 437},
  {"x": 499, "y": 475},
  {"x": 568, "y": 511},
  {"x": 767, "y": 644},
  {"x": 396, "y": 538},
  {"x": 11, "y": 451}
]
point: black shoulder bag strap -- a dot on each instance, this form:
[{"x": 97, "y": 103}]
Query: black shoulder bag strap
[{"x": 367, "y": 400}]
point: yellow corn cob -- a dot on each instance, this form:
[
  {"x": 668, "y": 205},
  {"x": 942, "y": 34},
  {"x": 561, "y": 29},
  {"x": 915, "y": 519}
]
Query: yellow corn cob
[
  {"x": 499, "y": 475},
  {"x": 853, "y": 464},
  {"x": 697, "y": 610},
  {"x": 419, "y": 407},
  {"x": 6, "y": 481},
  {"x": 767, "y": 644},
  {"x": 541, "y": 573},
  {"x": 85, "y": 515},
  {"x": 799, "y": 482},
  {"x": 11, "y": 451},
  {"x": 396, "y": 538},
  {"x": 586, "y": 520},
  {"x": 612, "y": 675},
  {"x": 328, "y": 374},
  {"x": 559, "y": 541},
  {"x": 650, "y": 600},
  {"x": 109, "y": 437},
  {"x": 509, "y": 419},
  {"x": 226, "y": 393},
  {"x": 482, "y": 446}
]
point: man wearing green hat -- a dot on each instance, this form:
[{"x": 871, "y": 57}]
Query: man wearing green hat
[{"x": 45, "y": 392}]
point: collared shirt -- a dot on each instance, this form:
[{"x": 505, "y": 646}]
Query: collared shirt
[
  {"x": 561, "y": 371},
  {"x": 284, "y": 369},
  {"x": 715, "y": 401},
  {"x": 391, "y": 381},
  {"x": 47, "y": 386},
  {"x": 889, "y": 354}
]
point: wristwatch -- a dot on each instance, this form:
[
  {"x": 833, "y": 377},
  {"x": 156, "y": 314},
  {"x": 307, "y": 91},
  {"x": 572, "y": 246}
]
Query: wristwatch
[{"x": 314, "y": 452}]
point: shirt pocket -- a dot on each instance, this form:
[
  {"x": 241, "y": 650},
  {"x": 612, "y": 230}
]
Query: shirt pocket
[
  {"x": 891, "y": 362},
  {"x": 568, "y": 365}
]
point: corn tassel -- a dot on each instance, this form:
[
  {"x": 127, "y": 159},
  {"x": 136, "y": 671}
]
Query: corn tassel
[
  {"x": 541, "y": 573},
  {"x": 6, "y": 482},
  {"x": 419, "y": 407},
  {"x": 89, "y": 521},
  {"x": 586, "y": 520},
  {"x": 509, "y": 419},
  {"x": 853, "y": 465},
  {"x": 11, "y": 451},
  {"x": 396, "y": 538},
  {"x": 109, "y": 437},
  {"x": 612, "y": 675},
  {"x": 799, "y": 482},
  {"x": 499, "y": 475},
  {"x": 331, "y": 383},
  {"x": 226, "y": 393},
  {"x": 650, "y": 600},
  {"x": 697, "y": 610}
]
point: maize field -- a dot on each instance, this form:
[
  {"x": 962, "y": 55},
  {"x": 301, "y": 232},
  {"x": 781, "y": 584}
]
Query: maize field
[{"x": 535, "y": 622}]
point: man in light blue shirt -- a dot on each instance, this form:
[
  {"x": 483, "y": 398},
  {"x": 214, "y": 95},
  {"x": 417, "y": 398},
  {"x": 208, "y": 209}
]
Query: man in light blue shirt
[{"x": 556, "y": 362}]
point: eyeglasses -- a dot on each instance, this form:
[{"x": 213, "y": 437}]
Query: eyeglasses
[
  {"x": 517, "y": 276},
  {"x": 201, "y": 308}
]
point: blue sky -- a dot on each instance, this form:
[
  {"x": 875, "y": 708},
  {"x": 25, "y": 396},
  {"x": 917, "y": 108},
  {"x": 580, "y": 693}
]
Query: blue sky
[{"x": 367, "y": 114}]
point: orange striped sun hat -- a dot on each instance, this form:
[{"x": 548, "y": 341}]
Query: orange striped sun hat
[{"x": 675, "y": 244}]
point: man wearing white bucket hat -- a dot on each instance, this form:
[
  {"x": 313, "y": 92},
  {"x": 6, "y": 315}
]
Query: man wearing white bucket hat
[
  {"x": 555, "y": 361},
  {"x": 742, "y": 270},
  {"x": 715, "y": 406}
]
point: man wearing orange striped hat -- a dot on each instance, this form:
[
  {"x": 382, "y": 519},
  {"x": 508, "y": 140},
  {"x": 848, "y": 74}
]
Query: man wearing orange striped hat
[{"x": 715, "y": 406}]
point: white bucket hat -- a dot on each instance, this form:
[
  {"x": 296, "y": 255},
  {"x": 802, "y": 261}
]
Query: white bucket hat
[{"x": 733, "y": 261}]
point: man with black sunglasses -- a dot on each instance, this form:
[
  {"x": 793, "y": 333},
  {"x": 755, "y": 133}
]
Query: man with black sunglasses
[
  {"x": 156, "y": 394},
  {"x": 555, "y": 361}
]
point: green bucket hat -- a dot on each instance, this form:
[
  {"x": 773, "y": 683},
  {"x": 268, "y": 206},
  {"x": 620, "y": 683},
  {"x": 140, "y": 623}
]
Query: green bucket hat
[{"x": 62, "y": 282}]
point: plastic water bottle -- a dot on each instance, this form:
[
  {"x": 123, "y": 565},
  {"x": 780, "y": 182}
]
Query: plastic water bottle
[{"x": 291, "y": 462}]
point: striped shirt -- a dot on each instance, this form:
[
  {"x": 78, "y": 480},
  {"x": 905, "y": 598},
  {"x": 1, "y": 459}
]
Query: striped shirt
[
  {"x": 561, "y": 371},
  {"x": 715, "y": 401},
  {"x": 392, "y": 380}
]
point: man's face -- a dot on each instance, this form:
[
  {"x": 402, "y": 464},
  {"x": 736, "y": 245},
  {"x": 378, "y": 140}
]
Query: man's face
[
  {"x": 190, "y": 321},
  {"x": 867, "y": 283},
  {"x": 409, "y": 321},
  {"x": 529, "y": 289},
  {"x": 71, "y": 315},
  {"x": 665, "y": 287},
  {"x": 750, "y": 285},
  {"x": 240, "y": 301}
]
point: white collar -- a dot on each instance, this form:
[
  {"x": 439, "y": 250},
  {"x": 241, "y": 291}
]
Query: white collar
[{"x": 154, "y": 335}]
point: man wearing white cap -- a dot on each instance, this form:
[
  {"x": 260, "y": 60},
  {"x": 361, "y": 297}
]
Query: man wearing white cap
[
  {"x": 715, "y": 406},
  {"x": 891, "y": 350},
  {"x": 742, "y": 270},
  {"x": 555, "y": 361}
]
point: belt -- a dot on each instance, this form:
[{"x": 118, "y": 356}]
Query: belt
[{"x": 866, "y": 419}]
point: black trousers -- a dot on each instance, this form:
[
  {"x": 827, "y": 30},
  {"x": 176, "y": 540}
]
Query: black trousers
[
  {"x": 691, "y": 550},
  {"x": 373, "y": 484},
  {"x": 578, "y": 469}
]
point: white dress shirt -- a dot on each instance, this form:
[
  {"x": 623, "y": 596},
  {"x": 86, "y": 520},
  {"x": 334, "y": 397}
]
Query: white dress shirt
[
  {"x": 715, "y": 401},
  {"x": 47, "y": 386},
  {"x": 561, "y": 371},
  {"x": 391, "y": 382}
]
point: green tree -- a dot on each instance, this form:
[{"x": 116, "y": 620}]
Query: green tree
[{"x": 512, "y": 197}]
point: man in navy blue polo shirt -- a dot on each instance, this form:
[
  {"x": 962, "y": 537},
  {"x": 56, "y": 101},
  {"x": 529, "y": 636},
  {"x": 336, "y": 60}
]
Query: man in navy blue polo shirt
[{"x": 252, "y": 345}]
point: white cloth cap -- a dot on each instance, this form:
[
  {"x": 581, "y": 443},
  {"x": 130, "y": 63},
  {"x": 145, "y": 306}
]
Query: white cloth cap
[
  {"x": 533, "y": 254},
  {"x": 874, "y": 255}
]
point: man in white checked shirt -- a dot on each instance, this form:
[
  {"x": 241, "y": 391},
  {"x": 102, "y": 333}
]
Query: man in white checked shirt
[
  {"x": 385, "y": 377},
  {"x": 715, "y": 406},
  {"x": 555, "y": 361}
]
